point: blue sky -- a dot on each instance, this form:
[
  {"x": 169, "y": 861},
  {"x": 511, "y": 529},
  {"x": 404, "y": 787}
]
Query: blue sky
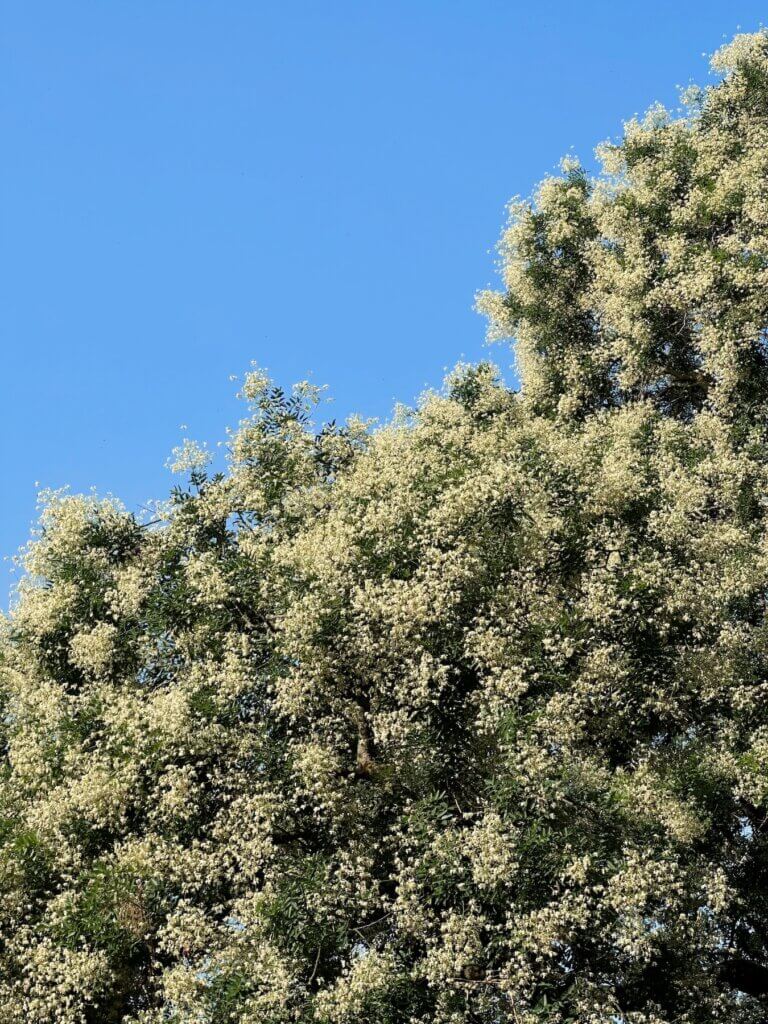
[{"x": 189, "y": 186}]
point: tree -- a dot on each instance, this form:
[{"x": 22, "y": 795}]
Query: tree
[{"x": 464, "y": 719}]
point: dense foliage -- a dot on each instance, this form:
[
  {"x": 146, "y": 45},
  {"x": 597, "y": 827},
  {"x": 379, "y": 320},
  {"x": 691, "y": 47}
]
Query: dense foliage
[{"x": 464, "y": 719}]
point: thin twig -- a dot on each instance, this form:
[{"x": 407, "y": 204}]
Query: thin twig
[{"x": 314, "y": 969}]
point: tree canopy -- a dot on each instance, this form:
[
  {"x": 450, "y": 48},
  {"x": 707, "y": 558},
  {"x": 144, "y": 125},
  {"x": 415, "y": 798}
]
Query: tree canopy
[{"x": 462, "y": 719}]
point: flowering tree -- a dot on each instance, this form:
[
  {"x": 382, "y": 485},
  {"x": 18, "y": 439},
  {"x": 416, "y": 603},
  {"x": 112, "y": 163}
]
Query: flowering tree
[{"x": 460, "y": 720}]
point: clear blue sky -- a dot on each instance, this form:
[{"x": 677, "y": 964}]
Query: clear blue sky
[{"x": 318, "y": 186}]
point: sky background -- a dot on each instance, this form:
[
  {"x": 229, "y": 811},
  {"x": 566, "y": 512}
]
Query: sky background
[{"x": 316, "y": 186}]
